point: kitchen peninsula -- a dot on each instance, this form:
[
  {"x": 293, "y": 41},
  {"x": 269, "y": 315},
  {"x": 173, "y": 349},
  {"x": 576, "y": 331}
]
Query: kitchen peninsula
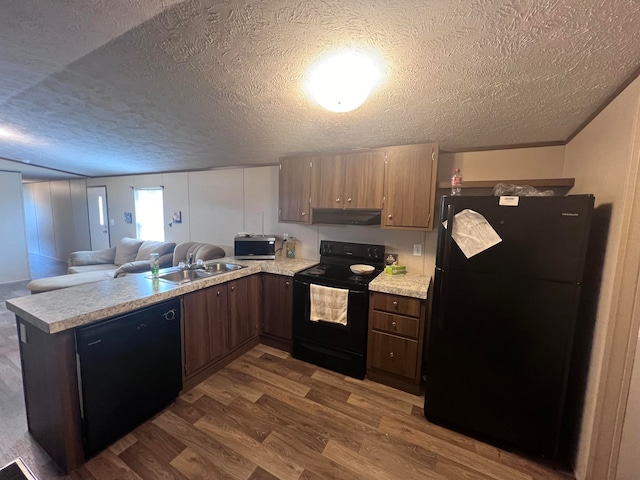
[{"x": 48, "y": 323}]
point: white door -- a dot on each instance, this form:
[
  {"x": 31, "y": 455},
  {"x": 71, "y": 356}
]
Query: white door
[{"x": 98, "y": 217}]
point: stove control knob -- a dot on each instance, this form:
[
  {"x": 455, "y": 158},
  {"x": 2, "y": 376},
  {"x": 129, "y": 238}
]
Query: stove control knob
[{"x": 373, "y": 252}]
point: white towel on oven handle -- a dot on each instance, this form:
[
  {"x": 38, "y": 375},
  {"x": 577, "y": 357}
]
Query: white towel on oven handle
[{"x": 329, "y": 304}]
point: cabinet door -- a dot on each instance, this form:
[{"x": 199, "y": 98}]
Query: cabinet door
[
  {"x": 327, "y": 182},
  {"x": 206, "y": 327},
  {"x": 364, "y": 180},
  {"x": 277, "y": 304},
  {"x": 294, "y": 189},
  {"x": 410, "y": 187},
  {"x": 244, "y": 309}
]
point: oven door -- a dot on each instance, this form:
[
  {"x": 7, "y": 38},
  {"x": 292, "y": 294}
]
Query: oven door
[{"x": 341, "y": 348}]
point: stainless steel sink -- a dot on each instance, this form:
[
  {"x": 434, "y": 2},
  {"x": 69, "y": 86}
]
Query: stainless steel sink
[
  {"x": 220, "y": 267},
  {"x": 186, "y": 276}
]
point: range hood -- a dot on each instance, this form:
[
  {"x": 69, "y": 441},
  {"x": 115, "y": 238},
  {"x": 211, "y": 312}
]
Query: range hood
[{"x": 334, "y": 216}]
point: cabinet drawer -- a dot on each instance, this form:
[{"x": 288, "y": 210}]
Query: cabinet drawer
[
  {"x": 396, "y": 324},
  {"x": 396, "y": 304},
  {"x": 393, "y": 354}
]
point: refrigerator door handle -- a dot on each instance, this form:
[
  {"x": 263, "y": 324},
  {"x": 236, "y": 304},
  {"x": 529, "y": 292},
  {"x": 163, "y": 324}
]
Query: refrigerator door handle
[
  {"x": 448, "y": 238},
  {"x": 441, "y": 303},
  {"x": 444, "y": 283}
]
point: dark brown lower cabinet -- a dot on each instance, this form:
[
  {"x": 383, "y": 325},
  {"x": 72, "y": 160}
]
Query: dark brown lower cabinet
[
  {"x": 219, "y": 324},
  {"x": 396, "y": 335},
  {"x": 277, "y": 305},
  {"x": 244, "y": 309},
  {"x": 206, "y": 327},
  {"x": 50, "y": 384}
]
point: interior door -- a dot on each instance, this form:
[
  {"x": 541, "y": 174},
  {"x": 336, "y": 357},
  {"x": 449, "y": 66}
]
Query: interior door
[{"x": 98, "y": 217}]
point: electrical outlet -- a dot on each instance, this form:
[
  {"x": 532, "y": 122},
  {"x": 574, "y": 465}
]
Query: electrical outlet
[
  {"x": 417, "y": 250},
  {"x": 285, "y": 236}
]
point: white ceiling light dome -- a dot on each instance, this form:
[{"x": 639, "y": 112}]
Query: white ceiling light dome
[{"x": 342, "y": 82}]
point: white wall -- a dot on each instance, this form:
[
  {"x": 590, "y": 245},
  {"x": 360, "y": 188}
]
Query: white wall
[
  {"x": 14, "y": 255},
  {"x": 260, "y": 193},
  {"x": 44, "y": 219},
  {"x": 600, "y": 158},
  {"x": 80, "y": 218},
  {"x": 216, "y": 204},
  {"x": 176, "y": 199},
  {"x": 33, "y": 242},
  {"x": 56, "y": 217}
]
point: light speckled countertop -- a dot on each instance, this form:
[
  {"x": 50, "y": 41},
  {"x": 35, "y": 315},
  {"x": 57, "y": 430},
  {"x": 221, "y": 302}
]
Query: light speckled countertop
[
  {"x": 66, "y": 308},
  {"x": 408, "y": 284}
]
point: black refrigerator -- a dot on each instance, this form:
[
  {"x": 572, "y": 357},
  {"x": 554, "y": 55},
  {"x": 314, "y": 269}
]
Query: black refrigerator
[{"x": 500, "y": 335}]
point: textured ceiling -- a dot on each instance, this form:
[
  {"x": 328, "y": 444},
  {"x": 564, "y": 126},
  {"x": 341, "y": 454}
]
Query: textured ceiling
[{"x": 133, "y": 86}]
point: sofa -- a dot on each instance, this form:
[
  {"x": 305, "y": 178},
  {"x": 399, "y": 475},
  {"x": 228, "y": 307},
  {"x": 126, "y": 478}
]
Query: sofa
[
  {"x": 199, "y": 250},
  {"x": 128, "y": 256}
]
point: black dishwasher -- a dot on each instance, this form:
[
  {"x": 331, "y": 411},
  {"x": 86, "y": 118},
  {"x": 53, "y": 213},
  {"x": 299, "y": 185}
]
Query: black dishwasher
[{"x": 129, "y": 369}]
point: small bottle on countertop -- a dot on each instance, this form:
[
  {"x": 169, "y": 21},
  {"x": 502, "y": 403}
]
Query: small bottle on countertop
[
  {"x": 282, "y": 251},
  {"x": 154, "y": 263},
  {"x": 456, "y": 182},
  {"x": 291, "y": 247}
]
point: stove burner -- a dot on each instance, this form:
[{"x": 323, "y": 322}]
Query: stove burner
[
  {"x": 336, "y": 259},
  {"x": 317, "y": 270}
]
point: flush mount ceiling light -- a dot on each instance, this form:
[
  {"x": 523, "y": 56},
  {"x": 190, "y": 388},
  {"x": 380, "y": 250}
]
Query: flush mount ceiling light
[{"x": 342, "y": 82}]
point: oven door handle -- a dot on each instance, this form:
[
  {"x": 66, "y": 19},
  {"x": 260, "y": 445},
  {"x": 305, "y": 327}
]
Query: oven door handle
[{"x": 308, "y": 284}]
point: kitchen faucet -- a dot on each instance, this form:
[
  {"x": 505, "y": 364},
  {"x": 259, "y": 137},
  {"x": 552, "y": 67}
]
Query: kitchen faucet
[{"x": 192, "y": 266}]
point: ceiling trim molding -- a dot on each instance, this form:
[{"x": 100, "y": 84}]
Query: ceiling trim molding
[
  {"x": 166, "y": 172},
  {"x": 35, "y": 165},
  {"x": 556, "y": 143}
]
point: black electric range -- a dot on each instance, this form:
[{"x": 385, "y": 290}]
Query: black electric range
[{"x": 338, "y": 347}]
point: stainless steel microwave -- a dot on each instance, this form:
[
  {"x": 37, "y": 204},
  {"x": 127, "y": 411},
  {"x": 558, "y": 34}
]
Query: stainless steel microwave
[{"x": 254, "y": 247}]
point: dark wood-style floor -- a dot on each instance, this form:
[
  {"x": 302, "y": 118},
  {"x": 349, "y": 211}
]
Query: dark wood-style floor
[{"x": 266, "y": 416}]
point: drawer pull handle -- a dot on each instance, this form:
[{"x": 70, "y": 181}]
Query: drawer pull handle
[
  {"x": 304, "y": 213},
  {"x": 233, "y": 289},
  {"x": 393, "y": 324},
  {"x": 337, "y": 200},
  {"x": 218, "y": 293},
  {"x": 390, "y": 217},
  {"x": 349, "y": 199},
  {"x": 286, "y": 283},
  {"x": 391, "y": 354},
  {"x": 395, "y": 303}
]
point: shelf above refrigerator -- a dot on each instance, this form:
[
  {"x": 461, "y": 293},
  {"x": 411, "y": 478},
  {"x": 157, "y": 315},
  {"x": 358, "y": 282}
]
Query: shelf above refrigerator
[{"x": 534, "y": 182}]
